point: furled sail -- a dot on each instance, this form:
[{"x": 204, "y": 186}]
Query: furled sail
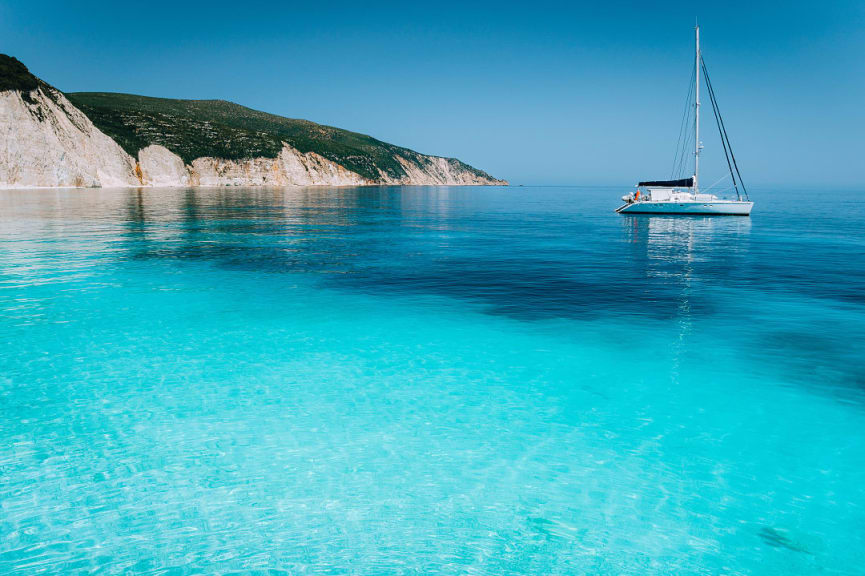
[{"x": 681, "y": 183}]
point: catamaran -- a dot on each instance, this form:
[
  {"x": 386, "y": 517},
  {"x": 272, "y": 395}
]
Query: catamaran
[{"x": 683, "y": 195}]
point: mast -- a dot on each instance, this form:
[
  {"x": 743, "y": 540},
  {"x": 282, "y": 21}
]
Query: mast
[{"x": 697, "y": 114}]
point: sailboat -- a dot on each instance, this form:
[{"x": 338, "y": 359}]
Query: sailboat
[{"x": 683, "y": 195}]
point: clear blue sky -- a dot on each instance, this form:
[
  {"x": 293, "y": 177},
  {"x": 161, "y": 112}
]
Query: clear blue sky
[{"x": 536, "y": 92}]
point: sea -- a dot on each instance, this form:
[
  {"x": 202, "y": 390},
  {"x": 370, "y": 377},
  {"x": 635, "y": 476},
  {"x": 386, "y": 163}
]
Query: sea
[{"x": 443, "y": 380}]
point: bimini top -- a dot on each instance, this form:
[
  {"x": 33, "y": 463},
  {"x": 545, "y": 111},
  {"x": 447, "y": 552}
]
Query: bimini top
[{"x": 681, "y": 183}]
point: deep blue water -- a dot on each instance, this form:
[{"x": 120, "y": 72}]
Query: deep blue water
[{"x": 429, "y": 381}]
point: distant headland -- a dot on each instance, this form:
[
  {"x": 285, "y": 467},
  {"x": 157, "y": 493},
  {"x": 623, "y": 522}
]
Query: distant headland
[{"x": 96, "y": 139}]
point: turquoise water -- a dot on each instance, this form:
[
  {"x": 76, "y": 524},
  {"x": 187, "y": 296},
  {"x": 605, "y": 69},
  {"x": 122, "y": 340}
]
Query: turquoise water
[{"x": 429, "y": 381}]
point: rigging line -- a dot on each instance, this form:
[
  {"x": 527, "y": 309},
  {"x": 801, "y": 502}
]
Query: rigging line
[
  {"x": 715, "y": 183},
  {"x": 716, "y": 112},
  {"x": 724, "y": 129},
  {"x": 682, "y": 126},
  {"x": 718, "y": 122},
  {"x": 683, "y": 159},
  {"x": 686, "y": 143},
  {"x": 721, "y": 191},
  {"x": 727, "y": 138},
  {"x": 676, "y": 150},
  {"x": 686, "y": 114}
]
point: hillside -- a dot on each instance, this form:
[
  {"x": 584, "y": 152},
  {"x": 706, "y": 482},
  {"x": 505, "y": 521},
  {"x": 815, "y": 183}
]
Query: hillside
[
  {"x": 216, "y": 128},
  {"x": 15, "y": 76},
  {"x": 104, "y": 139}
]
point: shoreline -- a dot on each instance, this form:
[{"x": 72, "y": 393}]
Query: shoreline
[{"x": 262, "y": 186}]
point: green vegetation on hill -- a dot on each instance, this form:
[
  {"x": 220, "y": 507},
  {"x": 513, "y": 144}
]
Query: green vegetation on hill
[
  {"x": 15, "y": 76},
  {"x": 196, "y": 128}
]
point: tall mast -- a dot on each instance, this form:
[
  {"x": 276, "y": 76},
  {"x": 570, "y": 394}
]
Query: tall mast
[{"x": 697, "y": 115}]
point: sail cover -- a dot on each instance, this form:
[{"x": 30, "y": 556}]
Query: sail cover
[{"x": 681, "y": 183}]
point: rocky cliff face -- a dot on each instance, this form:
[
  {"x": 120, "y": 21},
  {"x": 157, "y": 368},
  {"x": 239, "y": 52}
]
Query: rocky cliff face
[
  {"x": 435, "y": 171},
  {"x": 46, "y": 141},
  {"x": 158, "y": 166}
]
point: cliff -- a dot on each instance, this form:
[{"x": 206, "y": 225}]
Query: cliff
[
  {"x": 46, "y": 141},
  {"x": 99, "y": 139}
]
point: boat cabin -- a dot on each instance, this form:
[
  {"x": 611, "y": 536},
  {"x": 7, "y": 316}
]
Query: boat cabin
[{"x": 675, "y": 195}]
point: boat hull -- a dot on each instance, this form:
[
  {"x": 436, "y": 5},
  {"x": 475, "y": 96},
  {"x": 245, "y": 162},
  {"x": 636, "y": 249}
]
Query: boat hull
[{"x": 728, "y": 208}]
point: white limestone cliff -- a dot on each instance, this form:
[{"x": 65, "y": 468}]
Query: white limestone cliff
[
  {"x": 159, "y": 166},
  {"x": 289, "y": 168},
  {"x": 438, "y": 171},
  {"x": 45, "y": 141}
]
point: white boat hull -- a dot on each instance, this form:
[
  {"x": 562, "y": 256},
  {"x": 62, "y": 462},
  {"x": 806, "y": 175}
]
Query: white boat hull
[{"x": 717, "y": 207}]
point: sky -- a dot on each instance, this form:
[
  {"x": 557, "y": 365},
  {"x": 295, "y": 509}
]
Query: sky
[{"x": 539, "y": 93}]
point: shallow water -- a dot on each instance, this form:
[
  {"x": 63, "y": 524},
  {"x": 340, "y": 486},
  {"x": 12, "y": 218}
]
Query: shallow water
[{"x": 440, "y": 380}]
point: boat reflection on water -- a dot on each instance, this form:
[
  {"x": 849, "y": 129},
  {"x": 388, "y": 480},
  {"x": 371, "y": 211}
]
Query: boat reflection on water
[
  {"x": 687, "y": 238},
  {"x": 678, "y": 249},
  {"x": 679, "y": 252}
]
